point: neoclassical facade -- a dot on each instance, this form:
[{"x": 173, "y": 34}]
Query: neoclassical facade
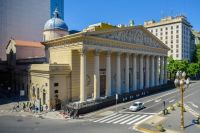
[{"x": 101, "y": 64}]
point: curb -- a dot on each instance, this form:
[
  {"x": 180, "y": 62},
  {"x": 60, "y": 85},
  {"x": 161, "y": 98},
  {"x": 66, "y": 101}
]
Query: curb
[{"x": 144, "y": 130}]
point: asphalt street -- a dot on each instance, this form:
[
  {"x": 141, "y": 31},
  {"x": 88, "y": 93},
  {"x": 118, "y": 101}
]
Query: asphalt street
[
  {"x": 11, "y": 124},
  {"x": 122, "y": 121},
  {"x": 154, "y": 103}
]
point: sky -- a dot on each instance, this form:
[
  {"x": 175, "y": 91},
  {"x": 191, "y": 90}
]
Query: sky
[{"x": 79, "y": 14}]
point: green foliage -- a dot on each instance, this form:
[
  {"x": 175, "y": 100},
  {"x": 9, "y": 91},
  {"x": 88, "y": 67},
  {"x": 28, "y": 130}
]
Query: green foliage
[
  {"x": 160, "y": 128},
  {"x": 196, "y": 54},
  {"x": 178, "y": 104},
  {"x": 176, "y": 65},
  {"x": 172, "y": 107},
  {"x": 193, "y": 69}
]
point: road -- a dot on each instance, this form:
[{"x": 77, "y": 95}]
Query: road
[
  {"x": 111, "y": 122},
  {"x": 153, "y": 105}
]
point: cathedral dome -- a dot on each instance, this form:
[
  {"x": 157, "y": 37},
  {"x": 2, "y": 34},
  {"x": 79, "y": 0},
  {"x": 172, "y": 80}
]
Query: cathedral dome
[{"x": 55, "y": 23}]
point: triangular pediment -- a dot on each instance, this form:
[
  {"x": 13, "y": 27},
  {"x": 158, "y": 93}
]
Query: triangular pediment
[{"x": 135, "y": 35}]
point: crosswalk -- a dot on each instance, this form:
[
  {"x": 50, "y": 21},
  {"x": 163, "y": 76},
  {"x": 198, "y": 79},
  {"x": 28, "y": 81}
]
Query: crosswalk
[{"x": 123, "y": 118}]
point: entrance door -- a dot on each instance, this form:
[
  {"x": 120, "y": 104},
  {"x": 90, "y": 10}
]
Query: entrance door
[{"x": 102, "y": 85}]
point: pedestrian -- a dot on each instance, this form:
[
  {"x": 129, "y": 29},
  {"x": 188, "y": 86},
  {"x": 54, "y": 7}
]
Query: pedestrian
[
  {"x": 24, "y": 106},
  {"x": 46, "y": 107}
]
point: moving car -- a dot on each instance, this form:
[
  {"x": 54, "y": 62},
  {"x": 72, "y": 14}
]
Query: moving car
[{"x": 136, "y": 106}]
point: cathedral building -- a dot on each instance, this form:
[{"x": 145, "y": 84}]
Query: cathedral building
[{"x": 97, "y": 63}]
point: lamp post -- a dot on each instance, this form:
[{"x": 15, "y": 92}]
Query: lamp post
[{"x": 181, "y": 83}]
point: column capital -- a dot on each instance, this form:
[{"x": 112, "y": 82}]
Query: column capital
[
  {"x": 97, "y": 52},
  {"x": 119, "y": 53},
  {"x": 83, "y": 50},
  {"x": 108, "y": 53}
]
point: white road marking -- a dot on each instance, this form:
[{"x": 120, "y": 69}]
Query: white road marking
[
  {"x": 143, "y": 120},
  {"x": 110, "y": 118},
  {"x": 104, "y": 117},
  {"x": 117, "y": 118},
  {"x": 171, "y": 101},
  {"x": 157, "y": 100},
  {"x": 130, "y": 119},
  {"x": 136, "y": 119},
  {"x": 194, "y": 105},
  {"x": 123, "y": 119}
]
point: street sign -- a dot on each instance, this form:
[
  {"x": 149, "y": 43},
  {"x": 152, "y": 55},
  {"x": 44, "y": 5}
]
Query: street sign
[
  {"x": 22, "y": 93},
  {"x": 116, "y": 96}
]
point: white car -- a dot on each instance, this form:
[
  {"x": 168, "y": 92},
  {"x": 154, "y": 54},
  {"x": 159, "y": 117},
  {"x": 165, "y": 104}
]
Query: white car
[{"x": 136, "y": 106}]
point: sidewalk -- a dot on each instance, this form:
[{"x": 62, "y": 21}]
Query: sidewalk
[{"x": 170, "y": 122}]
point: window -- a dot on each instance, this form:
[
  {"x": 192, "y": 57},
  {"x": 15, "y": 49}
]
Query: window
[
  {"x": 161, "y": 38},
  {"x": 56, "y": 91},
  {"x": 156, "y": 34},
  {"x": 166, "y": 37},
  {"x": 177, "y": 26},
  {"x": 151, "y": 31},
  {"x": 176, "y": 50},
  {"x": 177, "y": 36},
  {"x": 166, "y": 33},
  {"x": 171, "y": 37},
  {"x": 176, "y": 46},
  {"x": 56, "y": 84},
  {"x": 171, "y": 27},
  {"x": 177, "y": 31},
  {"x": 171, "y": 51},
  {"x": 171, "y": 46},
  {"x": 160, "y": 29},
  {"x": 171, "y": 41},
  {"x": 161, "y": 33},
  {"x": 171, "y": 32},
  {"x": 166, "y": 28},
  {"x": 166, "y": 42},
  {"x": 177, "y": 41},
  {"x": 176, "y": 55},
  {"x": 156, "y": 30}
]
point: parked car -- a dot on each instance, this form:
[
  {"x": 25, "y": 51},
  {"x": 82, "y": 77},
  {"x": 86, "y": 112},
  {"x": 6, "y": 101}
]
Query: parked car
[{"x": 136, "y": 106}]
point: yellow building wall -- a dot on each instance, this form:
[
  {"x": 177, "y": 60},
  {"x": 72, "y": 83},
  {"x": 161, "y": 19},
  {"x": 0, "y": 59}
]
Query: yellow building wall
[
  {"x": 41, "y": 81},
  {"x": 90, "y": 73},
  {"x": 60, "y": 55},
  {"x": 75, "y": 75}
]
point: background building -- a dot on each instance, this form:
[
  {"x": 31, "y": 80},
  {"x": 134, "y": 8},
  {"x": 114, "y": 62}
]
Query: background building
[
  {"x": 175, "y": 33},
  {"x": 25, "y": 19},
  {"x": 196, "y": 36}
]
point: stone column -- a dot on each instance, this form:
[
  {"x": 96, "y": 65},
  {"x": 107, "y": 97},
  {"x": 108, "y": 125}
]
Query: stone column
[
  {"x": 134, "y": 72},
  {"x": 165, "y": 70},
  {"x": 161, "y": 70},
  {"x": 127, "y": 72},
  {"x": 141, "y": 72},
  {"x": 156, "y": 71},
  {"x": 152, "y": 71},
  {"x": 108, "y": 74},
  {"x": 147, "y": 72},
  {"x": 83, "y": 89},
  {"x": 118, "y": 73},
  {"x": 96, "y": 76}
]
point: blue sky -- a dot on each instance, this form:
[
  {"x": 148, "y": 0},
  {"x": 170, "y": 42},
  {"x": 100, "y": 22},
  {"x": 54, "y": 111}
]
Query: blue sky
[{"x": 81, "y": 13}]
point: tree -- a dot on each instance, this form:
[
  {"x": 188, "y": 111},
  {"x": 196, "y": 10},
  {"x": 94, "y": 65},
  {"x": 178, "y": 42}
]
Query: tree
[
  {"x": 183, "y": 65},
  {"x": 172, "y": 66},
  {"x": 193, "y": 69},
  {"x": 196, "y": 54}
]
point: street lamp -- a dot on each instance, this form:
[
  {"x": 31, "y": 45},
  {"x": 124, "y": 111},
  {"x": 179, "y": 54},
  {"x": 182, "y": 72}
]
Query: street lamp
[{"x": 182, "y": 83}]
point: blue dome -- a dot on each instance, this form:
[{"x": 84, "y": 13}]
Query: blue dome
[{"x": 55, "y": 23}]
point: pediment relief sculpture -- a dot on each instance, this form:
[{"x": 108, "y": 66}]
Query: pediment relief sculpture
[{"x": 134, "y": 36}]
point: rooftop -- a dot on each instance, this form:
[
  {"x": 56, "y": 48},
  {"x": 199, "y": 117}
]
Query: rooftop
[
  {"x": 167, "y": 20},
  {"x": 28, "y": 43}
]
